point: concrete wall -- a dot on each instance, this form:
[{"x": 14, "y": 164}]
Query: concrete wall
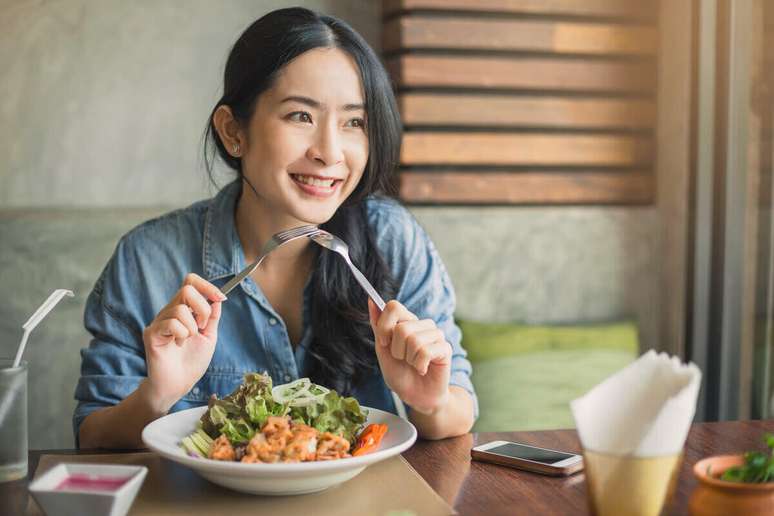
[
  {"x": 549, "y": 265},
  {"x": 104, "y": 102},
  {"x": 102, "y": 108}
]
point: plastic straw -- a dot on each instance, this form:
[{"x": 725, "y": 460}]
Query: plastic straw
[{"x": 39, "y": 314}]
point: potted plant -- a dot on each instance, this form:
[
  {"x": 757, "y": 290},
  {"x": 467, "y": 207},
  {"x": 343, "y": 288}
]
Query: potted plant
[{"x": 735, "y": 484}]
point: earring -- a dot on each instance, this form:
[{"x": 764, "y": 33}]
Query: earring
[{"x": 236, "y": 149}]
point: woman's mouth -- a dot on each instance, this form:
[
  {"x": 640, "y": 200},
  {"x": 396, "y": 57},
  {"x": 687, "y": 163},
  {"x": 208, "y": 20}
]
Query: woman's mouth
[{"x": 315, "y": 185}]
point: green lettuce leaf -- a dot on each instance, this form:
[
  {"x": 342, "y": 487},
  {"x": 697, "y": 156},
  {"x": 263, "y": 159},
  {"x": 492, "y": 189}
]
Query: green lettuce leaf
[
  {"x": 336, "y": 414},
  {"x": 238, "y": 431}
]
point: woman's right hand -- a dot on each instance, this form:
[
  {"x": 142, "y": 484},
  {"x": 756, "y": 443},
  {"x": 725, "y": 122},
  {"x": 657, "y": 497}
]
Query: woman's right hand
[{"x": 180, "y": 341}]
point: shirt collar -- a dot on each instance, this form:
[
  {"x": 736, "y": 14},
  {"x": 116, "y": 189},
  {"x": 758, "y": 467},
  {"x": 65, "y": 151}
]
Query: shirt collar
[{"x": 221, "y": 249}]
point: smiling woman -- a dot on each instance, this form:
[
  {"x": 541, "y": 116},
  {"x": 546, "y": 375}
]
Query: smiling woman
[{"x": 308, "y": 123}]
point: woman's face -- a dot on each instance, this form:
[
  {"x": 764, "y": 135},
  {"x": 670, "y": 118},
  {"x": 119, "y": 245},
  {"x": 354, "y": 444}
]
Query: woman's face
[{"x": 306, "y": 141}]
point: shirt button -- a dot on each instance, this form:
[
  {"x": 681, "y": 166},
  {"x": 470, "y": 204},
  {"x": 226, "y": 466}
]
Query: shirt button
[
  {"x": 272, "y": 321},
  {"x": 196, "y": 390}
]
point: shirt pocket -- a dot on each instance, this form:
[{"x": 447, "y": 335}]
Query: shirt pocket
[{"x": 213, "y": 382}]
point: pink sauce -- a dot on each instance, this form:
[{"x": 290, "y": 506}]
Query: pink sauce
[{"x": 83, "y": 482}]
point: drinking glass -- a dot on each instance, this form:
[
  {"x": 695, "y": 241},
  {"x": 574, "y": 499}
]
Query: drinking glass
[{"x": 13, "y": 420}]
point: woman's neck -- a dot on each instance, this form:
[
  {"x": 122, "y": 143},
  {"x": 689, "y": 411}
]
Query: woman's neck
[{"x": 255, "y": 225}]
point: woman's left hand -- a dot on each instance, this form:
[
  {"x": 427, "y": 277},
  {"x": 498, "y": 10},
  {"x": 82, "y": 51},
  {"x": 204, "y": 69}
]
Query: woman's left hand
[{"x": 413, "y": 355}]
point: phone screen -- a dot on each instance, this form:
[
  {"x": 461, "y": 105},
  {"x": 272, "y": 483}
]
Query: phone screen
[{"x": 521, "y": 451}]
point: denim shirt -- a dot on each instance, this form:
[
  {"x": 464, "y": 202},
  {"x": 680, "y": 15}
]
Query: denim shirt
[{"x": 148, "y": 268}]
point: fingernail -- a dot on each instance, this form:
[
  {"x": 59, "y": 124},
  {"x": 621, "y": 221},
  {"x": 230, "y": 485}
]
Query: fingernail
[{"x": 223, "y": 297}]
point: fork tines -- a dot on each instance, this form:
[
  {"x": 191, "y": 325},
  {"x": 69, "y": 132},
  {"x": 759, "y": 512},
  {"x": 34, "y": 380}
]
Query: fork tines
[{"x": 297, "y": 231}]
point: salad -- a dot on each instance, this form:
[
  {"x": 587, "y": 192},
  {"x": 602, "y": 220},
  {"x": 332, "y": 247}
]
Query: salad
[{"x": 296, "y": 422}]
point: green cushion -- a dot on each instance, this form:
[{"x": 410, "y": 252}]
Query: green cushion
[
  {"x": 525, "y": 376},
  {"x": 484, "y": 341},
  {"x": 532, "y": 391}
]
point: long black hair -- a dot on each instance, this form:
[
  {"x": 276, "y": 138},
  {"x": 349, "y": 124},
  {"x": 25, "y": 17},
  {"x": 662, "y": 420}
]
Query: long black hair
[{"x": 341, "y": 353}]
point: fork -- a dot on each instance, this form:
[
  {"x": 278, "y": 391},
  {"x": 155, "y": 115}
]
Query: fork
[
  {"x": 277, "y": 240},
  {"x": 337, "y": 245}
]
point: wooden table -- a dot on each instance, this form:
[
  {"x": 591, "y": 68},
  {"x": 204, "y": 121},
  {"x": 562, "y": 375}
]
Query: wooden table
[{"x": 480, "y": 488}]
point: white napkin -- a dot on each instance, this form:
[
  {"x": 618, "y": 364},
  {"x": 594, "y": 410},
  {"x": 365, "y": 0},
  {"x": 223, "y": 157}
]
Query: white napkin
[{"x": 645, "y": 409}]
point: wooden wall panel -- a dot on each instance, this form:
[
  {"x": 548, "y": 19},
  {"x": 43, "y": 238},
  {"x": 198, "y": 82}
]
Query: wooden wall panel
[
  {"x": 528, "y": 73},
  {"x": 527, "y": 188},
  {"x": 639, "y": 9},
  {"x": 464, "y": 110},
  {"x": 495, "y": 149},
  {"x": 518, "y": 35},
  {"x": 525, "y": 101}
]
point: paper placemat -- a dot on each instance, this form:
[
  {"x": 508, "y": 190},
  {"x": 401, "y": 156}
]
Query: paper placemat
[{"x": 388, "y": 488}]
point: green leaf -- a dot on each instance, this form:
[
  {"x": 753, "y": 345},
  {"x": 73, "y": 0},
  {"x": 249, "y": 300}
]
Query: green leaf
[
  {"x": 756, "y": 460},
  {"x": 218, "y": 415},
  {"x": 237, "y": 431},
  {"x": 758, "y": 467},
  {"x": 257, "y": 411},
  {"x": 733, "y": 474}
]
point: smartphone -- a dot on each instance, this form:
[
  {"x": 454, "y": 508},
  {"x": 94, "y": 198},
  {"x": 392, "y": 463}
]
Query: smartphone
[{"x": 530, "y": 458}]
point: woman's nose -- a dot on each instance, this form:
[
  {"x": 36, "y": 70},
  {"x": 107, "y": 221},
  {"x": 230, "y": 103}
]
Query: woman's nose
[{"x": 326, "y": 147}]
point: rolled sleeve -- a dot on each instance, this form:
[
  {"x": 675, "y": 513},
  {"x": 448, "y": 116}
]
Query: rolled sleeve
[
  {"x": 461, "y": 372},
  {"x": 425, "y": 286}
]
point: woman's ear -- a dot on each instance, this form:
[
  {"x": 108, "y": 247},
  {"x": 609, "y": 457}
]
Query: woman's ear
[{"x": 229, "y": 131}]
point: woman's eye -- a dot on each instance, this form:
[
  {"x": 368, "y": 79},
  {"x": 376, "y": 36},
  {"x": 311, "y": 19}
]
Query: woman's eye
[
  {"x": 357, "y": 122},
  {"x": 300, "y": 116}
]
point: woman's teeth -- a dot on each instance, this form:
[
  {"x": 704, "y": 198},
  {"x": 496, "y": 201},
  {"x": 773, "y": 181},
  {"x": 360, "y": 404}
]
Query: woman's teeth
[{"x": 314, "y": 181}]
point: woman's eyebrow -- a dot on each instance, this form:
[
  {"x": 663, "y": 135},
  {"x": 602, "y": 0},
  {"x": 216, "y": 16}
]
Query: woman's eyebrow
[
  {"x": 317, "y": 105},
  {"x": 302, "y": 100}
]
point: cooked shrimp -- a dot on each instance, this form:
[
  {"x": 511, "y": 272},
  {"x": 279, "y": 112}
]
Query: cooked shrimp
[
  {"x": 221, "y": 449},
  {"x": 261, "y": 450},
  {"x": 277, "y": 430},
  {"x": 302, "y": 445},
  {"x": 331, "y": 447}
]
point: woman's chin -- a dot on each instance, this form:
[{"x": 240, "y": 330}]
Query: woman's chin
[
  {"x": 315, "y": 215},
  {"x": 311, "y": 210}
]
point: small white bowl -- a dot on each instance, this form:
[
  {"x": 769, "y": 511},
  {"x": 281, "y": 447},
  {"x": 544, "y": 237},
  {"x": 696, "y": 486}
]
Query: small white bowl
[{"x": 85, "y": 501}]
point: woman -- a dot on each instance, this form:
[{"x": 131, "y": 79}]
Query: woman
[{"x": 309, "y": 124}]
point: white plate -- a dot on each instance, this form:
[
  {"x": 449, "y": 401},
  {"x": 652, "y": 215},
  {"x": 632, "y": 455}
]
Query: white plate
[{"x": 164, "y": 435}]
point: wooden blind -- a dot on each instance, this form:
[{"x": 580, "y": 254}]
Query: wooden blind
[{"x": 524, "y": 101}]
